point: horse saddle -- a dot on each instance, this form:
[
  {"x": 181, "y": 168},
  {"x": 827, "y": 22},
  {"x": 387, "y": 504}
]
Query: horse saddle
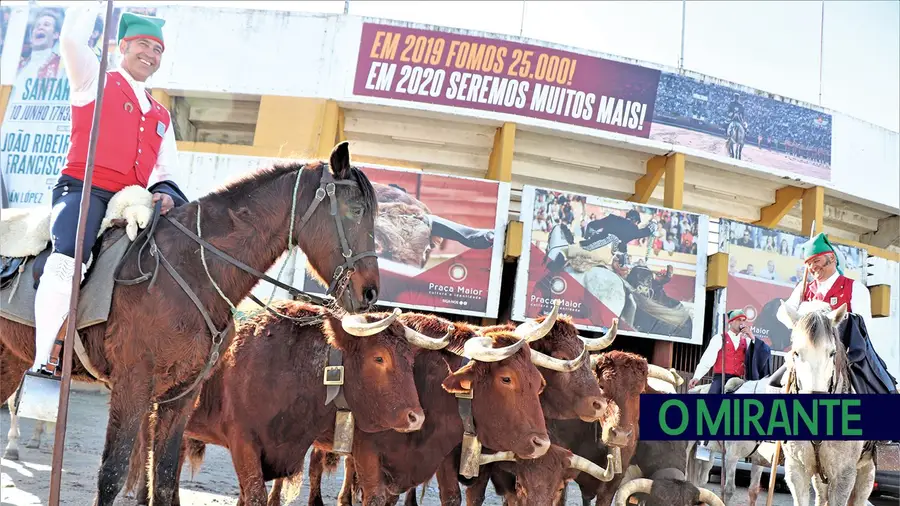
[{"x": 24, "y": 234}]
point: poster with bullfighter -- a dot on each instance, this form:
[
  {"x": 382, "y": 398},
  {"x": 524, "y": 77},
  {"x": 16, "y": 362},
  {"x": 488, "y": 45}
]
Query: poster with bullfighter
[
  {"x": 439, "y": 241},
  {"x": 604, "y": 259},
  {"x": 764, "y": 266}
]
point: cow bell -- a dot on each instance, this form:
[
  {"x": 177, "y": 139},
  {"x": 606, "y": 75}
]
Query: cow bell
[
  {"x": 343, "y": 432},
  {"x": 471, "y": 456},
  {"x": 38, "y": 397}
]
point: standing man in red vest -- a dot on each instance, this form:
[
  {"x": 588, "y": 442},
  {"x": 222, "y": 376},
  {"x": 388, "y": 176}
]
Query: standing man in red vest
[
  {"x": 739, "y": 338},
  {"x": 135, "y": 146},
  {"x": 829, "y": 283}
]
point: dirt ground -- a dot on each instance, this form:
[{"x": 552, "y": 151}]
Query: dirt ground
[
  {"x": 27, "y": 481},
  {"x": 751, "y": 153}
]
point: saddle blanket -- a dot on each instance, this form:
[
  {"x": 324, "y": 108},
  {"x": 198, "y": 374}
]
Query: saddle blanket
[{"x": 94, "y": 301}]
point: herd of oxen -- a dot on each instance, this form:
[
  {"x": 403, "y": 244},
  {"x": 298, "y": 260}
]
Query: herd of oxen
[{"x": 403, "y": 397}]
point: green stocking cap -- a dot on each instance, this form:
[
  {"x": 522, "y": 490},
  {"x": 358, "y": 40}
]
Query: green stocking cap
[
  {"x": 819, "y": 245},
  {"x": 134, "y": 26},
  {"x": 734, "y": 314}
]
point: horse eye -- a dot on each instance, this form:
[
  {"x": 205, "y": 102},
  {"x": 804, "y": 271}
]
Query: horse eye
[{"x": 833, "y": 353}]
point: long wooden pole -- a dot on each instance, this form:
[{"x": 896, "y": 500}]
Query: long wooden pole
[
  {"x": 63, "y": 409},
  {"x": 776, "y": 455}
]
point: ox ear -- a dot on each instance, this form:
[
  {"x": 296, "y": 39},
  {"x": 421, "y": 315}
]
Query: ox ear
[
  {"x": 340, "y": 161},
  {"x": 460, "y": 382}
]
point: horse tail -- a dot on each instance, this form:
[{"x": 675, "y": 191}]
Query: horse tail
[{"x": 195, "y": 453}]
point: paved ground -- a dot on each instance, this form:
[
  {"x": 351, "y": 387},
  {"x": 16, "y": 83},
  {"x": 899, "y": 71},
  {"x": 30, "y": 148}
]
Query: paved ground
[{"x": 27, "y": 482}]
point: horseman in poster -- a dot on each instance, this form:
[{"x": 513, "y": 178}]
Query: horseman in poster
[{"x": 136, "y": 146}]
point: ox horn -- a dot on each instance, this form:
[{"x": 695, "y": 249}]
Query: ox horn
[
  {"x": 600, "y": 343},
  {"x": 487, "y": 458},
  {"x": 710, "y": 498},
  {"x": 532, "y": 331},
  {"x": 669, "y": 376},
  {"x": 557, "y": 364},
  {"x": 595, "y": 359},
  {"x": 357, "y": 325},
  {"x": 635, "y": 486},
  {"x": 480, "y": 349},
  {"x": 429, "y": 343},
  {"x": 586, "y": 466}
]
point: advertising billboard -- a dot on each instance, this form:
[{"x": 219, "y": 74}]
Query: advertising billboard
[
  {"x": 439, "y": 241},
  {"x": 502, "y": 76},
  {"x": 604, "y": 259},
  {"x": 764, "y": 267}
]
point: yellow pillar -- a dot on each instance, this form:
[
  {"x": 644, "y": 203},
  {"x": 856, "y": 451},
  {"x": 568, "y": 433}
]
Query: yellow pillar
[
  {"x": 500, "y": 162},
  {"x": 643, "y": 187},
  {"x": 328, "y": 134},
  {"x": 674, "y": 182},
  {"x": 785, "y": 200},
  {"x": 813, "y": 210},
  {"x": 5, "y": 92},
  {"x": 163, "y": 98},
  {"x": 296, "y": 127}
]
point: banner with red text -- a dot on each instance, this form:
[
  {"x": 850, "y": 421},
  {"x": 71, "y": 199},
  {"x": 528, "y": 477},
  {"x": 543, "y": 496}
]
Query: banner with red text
[
  {"x": 764, "y": 267},
  {"x": 604, "y": 259},
  {"x": 492, "y": 74},
  {"x": 439, "y": 241}
]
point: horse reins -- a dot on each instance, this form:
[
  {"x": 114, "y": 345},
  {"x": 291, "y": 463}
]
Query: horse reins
[{"x": 340, "y": 279}]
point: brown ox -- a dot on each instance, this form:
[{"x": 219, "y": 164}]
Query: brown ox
[
  {"x": 624, "y": 377},
  {"x": 402, "y": 228},
  {"x": 571, "y": 390},
  {"x": 267, "y": 402},
  {"x": 505, "y": 408},
  {"x": 573, "y": 395},
  {"x": 541, "y": 481}
]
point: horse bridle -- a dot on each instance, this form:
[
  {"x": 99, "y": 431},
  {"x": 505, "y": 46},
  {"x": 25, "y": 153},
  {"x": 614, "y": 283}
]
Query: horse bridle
[{"x": 340, "y": 279}]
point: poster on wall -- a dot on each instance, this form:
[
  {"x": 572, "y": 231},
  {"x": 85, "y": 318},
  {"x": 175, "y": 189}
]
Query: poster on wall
[
  {"x": 439, "y": 241},
  {"x": 604, "y": 259},
  {"x": 764, "y": 267},
  {"x": 503, "y": 76},
  {"x": 5, "y": 13},
  {"x": 34, "y": 139}
]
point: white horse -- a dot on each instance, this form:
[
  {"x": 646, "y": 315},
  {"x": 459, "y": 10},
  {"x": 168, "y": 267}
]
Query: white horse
[
  {"x": 759, "y": 452},
  {"x": 842, "y": 472},
  {"x": 734, "y": 143}
]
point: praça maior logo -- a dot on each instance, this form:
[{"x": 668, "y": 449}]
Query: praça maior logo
[
  {"x": 750, "y": 312},
  {"x": 558, "y": 285},
  {"x": 458, "y": 272}
]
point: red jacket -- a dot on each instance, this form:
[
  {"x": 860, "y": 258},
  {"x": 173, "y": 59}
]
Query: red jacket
[
  {"x": 128, "y": 143},
  {"x": 734, "y": 358},
  {"x": 839, "y": 293}
]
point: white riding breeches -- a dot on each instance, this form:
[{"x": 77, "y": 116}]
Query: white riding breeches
[{"x": 51, "y": 303}]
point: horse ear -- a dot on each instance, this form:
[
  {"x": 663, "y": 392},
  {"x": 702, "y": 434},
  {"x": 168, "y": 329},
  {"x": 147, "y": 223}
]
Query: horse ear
[
  {"x": 838, "y": 314},
  {"x": 340, "y": 161},
  {"x": 791, "y": 313}
]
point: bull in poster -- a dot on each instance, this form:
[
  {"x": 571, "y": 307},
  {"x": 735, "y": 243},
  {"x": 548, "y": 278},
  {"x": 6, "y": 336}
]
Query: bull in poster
[
  {"x": 439, "y": 241},
  {"x": 604, "y": 259}
]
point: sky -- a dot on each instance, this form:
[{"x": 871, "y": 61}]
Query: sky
[{"x": 770, "y": 45}]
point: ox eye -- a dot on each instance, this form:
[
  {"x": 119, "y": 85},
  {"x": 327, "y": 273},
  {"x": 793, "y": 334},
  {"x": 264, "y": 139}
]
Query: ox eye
[
  {"x": 379, "y": 360},
  {"x": 506, "y": 379}
]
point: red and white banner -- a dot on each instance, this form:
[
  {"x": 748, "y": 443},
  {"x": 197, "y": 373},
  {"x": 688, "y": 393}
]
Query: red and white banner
[{"x": 439, "y": 241}]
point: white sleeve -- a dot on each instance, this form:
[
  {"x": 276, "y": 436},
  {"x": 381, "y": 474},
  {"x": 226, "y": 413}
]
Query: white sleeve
[
  {"x": 794, "y": 302},
  {"x": 861, "y": 303},
  {"x": 709, "y": 356},
  {"x": 166, "y": 168},
  {"x": 82, "y": 65}
]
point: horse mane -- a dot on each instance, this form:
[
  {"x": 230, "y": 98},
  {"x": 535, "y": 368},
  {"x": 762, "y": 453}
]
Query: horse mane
[{"x": 251, "y": 182}]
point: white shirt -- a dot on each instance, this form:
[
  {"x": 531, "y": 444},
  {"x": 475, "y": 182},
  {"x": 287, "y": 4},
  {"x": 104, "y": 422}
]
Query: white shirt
[
  {"x": 715, "y": 344},
  {"x": 83, "y": 68},
  {"x": 860, "y": 300}
]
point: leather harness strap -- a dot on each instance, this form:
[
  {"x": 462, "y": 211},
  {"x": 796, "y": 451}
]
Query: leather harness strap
[
  {"x": 464, "y": 405},
  {"x": 334, "y": 379}
]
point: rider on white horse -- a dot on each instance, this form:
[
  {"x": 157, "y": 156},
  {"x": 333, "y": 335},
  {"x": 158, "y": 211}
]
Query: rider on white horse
[{"x": 736, "y": 110}]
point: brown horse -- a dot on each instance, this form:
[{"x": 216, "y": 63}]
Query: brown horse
[{"x": 157, "y": 341}]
